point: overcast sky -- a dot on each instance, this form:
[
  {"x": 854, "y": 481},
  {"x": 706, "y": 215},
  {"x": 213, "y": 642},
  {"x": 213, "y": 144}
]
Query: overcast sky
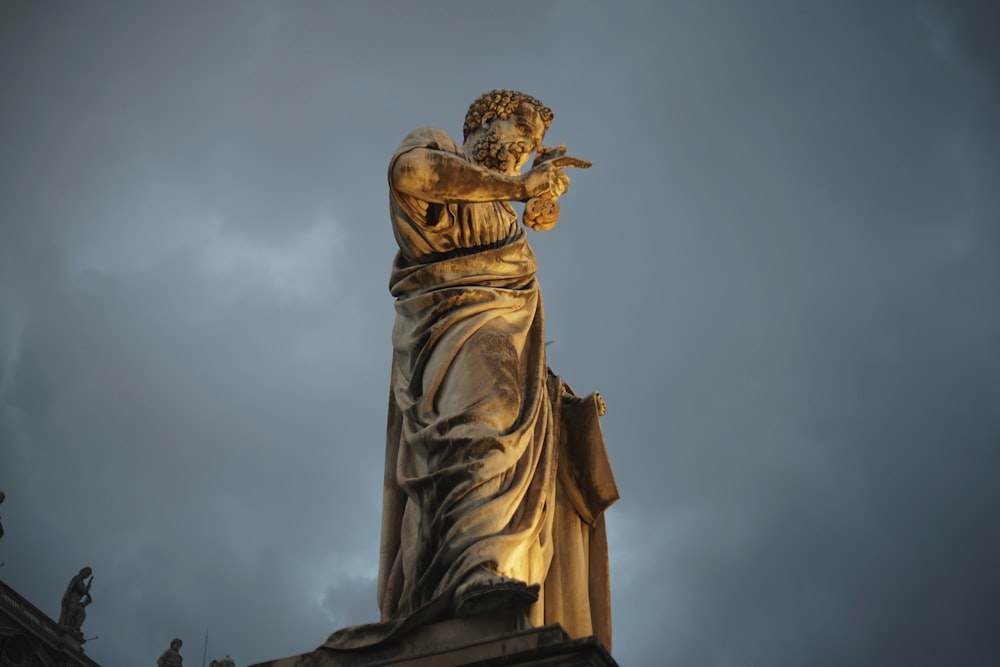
[{"x": 782, "y": 272}]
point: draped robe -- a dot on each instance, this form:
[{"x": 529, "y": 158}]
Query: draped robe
[{"x": 474, "y": 436}]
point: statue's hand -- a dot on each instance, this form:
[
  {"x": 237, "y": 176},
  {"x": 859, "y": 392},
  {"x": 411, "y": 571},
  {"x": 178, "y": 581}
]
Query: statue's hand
[
  {"x": 545, "y": 183},
  {"x": 541, "y": 213},
  {"x": 546, "y": 180}
]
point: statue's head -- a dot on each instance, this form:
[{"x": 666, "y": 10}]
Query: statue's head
[
  {"x": 86, "y": 572},
  {"x": 176, "y": 643},
  {"x": 505, "y": 126},
  {"x": 500, "y": 104}
]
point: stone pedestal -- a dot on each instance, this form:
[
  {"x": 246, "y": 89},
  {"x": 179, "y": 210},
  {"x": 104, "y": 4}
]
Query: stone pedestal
[{"x": 484, "y": 641}]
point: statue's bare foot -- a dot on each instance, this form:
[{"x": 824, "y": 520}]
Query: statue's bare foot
[{"x": 485, "y": 591}]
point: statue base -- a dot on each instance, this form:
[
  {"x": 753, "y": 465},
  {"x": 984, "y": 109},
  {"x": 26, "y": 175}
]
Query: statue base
[{"x": 496, "y": 640}]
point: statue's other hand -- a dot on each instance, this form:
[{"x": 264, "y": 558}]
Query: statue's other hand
[{"x": 541, "y": 213}]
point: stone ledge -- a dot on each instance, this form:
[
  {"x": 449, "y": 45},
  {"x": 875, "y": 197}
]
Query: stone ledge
[{"x": 484, "y": 642}]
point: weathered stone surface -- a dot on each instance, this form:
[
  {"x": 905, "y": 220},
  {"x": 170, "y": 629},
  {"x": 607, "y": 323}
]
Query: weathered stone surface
[
  {"x": 494, "y": 549},
  {"x": 496, "y": 476}
]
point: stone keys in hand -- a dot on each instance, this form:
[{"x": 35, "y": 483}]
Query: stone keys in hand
[{"x": 541, "y": 213}]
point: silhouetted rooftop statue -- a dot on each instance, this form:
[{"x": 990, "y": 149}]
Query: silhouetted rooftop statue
[
  {"x": 75, "y": 600},
  {"x": 172, "y": 656}
]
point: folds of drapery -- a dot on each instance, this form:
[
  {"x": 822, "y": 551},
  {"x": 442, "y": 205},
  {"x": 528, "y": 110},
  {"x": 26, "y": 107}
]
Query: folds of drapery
[
  {"x": 475, "y": 457},
  {"x": 490, "y": 459},
  {"x": 577, "y": 588}
]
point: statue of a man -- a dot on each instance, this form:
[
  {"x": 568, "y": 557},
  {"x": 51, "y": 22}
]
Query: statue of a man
[
  {"x": 75, "y": 600},
  {"x": 172, "y": 656},
  {"x": 472, "y": 501}
]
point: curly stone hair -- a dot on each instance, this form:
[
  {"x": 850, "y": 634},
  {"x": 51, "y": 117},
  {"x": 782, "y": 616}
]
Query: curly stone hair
[{"x": 500, "y": 103}]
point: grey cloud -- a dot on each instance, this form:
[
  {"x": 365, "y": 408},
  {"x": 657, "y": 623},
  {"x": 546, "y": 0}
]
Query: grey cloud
[{"x": 781, "y": 273}]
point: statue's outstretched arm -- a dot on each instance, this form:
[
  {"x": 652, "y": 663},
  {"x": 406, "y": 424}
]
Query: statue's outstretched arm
[{"x": 442, "y": 177}]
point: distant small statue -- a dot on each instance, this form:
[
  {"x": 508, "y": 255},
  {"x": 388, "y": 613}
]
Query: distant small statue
[
  {"x": 75, "y": 601},
  {"x": 223, "y": 662},
  {"x": 172, "y": 656}
]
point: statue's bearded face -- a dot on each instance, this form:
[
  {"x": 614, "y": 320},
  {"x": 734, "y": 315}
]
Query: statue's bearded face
[{"x": 505, "y": 144}]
